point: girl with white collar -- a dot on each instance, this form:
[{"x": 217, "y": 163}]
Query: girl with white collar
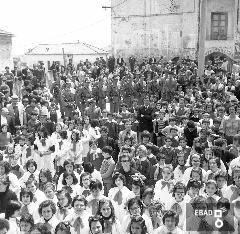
[
  {"x": 119, "y": 195},
  {"x": 28, "y": 206},
  {"x": 78, "y": 218},
  {"x": 47, "y": 211},
  {"x": 111, "y": 224}
]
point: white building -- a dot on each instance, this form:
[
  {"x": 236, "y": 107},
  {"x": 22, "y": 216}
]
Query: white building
[
  {"x": 47, "y": 53},
  {"x": 5, "y": 49}
]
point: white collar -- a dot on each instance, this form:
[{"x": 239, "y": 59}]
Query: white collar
[{"x": 97, "y": 151}]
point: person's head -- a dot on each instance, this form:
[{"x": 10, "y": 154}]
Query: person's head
[
  {"x": 119, "y": 179},
  {"x": 161, "y": 158},
  {"x": 208, "y": 153},
  {"x": 170, "y": 220},
  {"x": 85, "y": 179},
  {"x": 179, "y": 191},
  {"x": 88, "y": 167},
  {"x": 137, "y": 225},
  {"x": 106, "y": 209},
  {"x": 95, "y": 225},
  {"x": 199, "y": 203},
  {"x": 26, "y": 223},
  {"x": 63, "y": 228},
  {"x": 4, "y": 128},
  {"x": 4, "y": 226},
  {"x": 195, "y": 161},
  {"x": 137, "y": 186},
  {"x": 127, "y": 142},
  {"x": 31, "y": 185},
  {"x": 12, "y": 209},
  {"x": 211, "y": 187},
  {"x": 236, "y": 176},
  {"x": 193, "y": 188},
  {"x": 221, "y": 179},
  {"x": 68, "y": 165},
  {"x": 107, "y": 152},
  {"x": 64, "y": 198},
  {"x": 75, "y": 136},
  {"x": 168, "y": 141},
  {"x": 236, "y": 140},
  {"x": 167, "y": 172},
  {"x": 145, "y": 136},
  {"x": 141, "y": 151},
  {"x": 93, "y": 144},
  {"x": 128, "y": 124},
  {"x": 95, "y": 188},
  {"x": 31, "y": 166},
  {"x": 181, "y": 159},
  {"x": 47, "y": 209},
  {"x": 4, "y": 184},
  {"x": 214, "y": 164},
  {"x": 79, "y": 204},
  {"x": 135, "y": 206},
  {"x": 41, "y": 228},
  {"x": 69, "y": 179},
  {"x": 45, "y": 176},
  {"x": 49, "y": 190},
  {"x": 182, "y": 142},
  {"x": 26, "y": 196},
  {"x": 125, "y": 160},
  {"x": 147, "y": 196},
  {"x": 104, "y": 131}
]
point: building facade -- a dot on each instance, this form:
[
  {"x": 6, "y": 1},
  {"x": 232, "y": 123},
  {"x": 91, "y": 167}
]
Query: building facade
[
  {"x": 170, "y": 28},
  {"x": 49, "y": 53},
  {"x": 5, "y": 49}
]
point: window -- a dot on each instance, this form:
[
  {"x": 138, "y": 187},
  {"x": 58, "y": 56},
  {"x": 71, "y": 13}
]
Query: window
[{"x": 219, "y": 26}]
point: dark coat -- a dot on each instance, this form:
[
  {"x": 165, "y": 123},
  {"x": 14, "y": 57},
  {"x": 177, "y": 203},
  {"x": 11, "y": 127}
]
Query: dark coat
[{"x": 145, "y": 122}]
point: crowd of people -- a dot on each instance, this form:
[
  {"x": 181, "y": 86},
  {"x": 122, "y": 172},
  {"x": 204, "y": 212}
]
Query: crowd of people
[{"x": 115, "y": 147}]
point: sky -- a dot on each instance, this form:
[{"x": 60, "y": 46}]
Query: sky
[{"x": 55, "y": 21}]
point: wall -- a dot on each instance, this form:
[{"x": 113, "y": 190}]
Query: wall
[
  {"x": 170, "y": 28},
  {"x": 5, "y": 51}
]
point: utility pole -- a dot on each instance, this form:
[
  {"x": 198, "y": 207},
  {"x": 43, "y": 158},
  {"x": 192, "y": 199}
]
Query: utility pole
[{"x": 202, "y": 38}]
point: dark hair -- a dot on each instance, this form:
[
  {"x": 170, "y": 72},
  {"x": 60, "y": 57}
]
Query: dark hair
[
  {"x": 91, "y": 142},
  {"x": 199, "y": 171},
  {"x": 193, "y": 184},
  {"x": 11, "y": 207},
  {"x": 223, "y": 202},
  {"x": 107, "y": 149},
  {"x": 63, "y": 226},
  {"x": 83, "y": 175},
  {"x": 104, "y": 129},
  {"x": 66, "y": 194},
  {"x": 79, "y": 198},
  {"x": 198, "y": 200},
  {"x": 95, "y": 184},
  {"x": 133, "y": 201},
  {"x": 6, "y": 166},
  {"x": 101, "y": 204},
  {"x": 63, "y": 135},
  {"x": 88, "y": 167},
  {"x": 3, "y": 125},
  {"x": 77, "y": 135},
  {"x": 147, "y": 191},
  {"x": 217, "y": 160},
  {"x": 66, "y": 174},
  {"x": 27, "y": 218},
  {"x": 29, "y": 162},
  {"x": 67, "y": 162},
  {"x": 45, "y": 204},
  {"x": 120, "y": 176},
  {"x": 24, "y": 191},
  {"x": 178, "y": 185},
  {"x": 170, "y": 214},
  {"x": 42, "y": 228},
  {"x": 93, "y": 219},
  {"x": 94, "y": 123},
  {"x": 141, "y": 221},
  {"x": 4, "y": 224},
  {"x": 145, "y": 134}
]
